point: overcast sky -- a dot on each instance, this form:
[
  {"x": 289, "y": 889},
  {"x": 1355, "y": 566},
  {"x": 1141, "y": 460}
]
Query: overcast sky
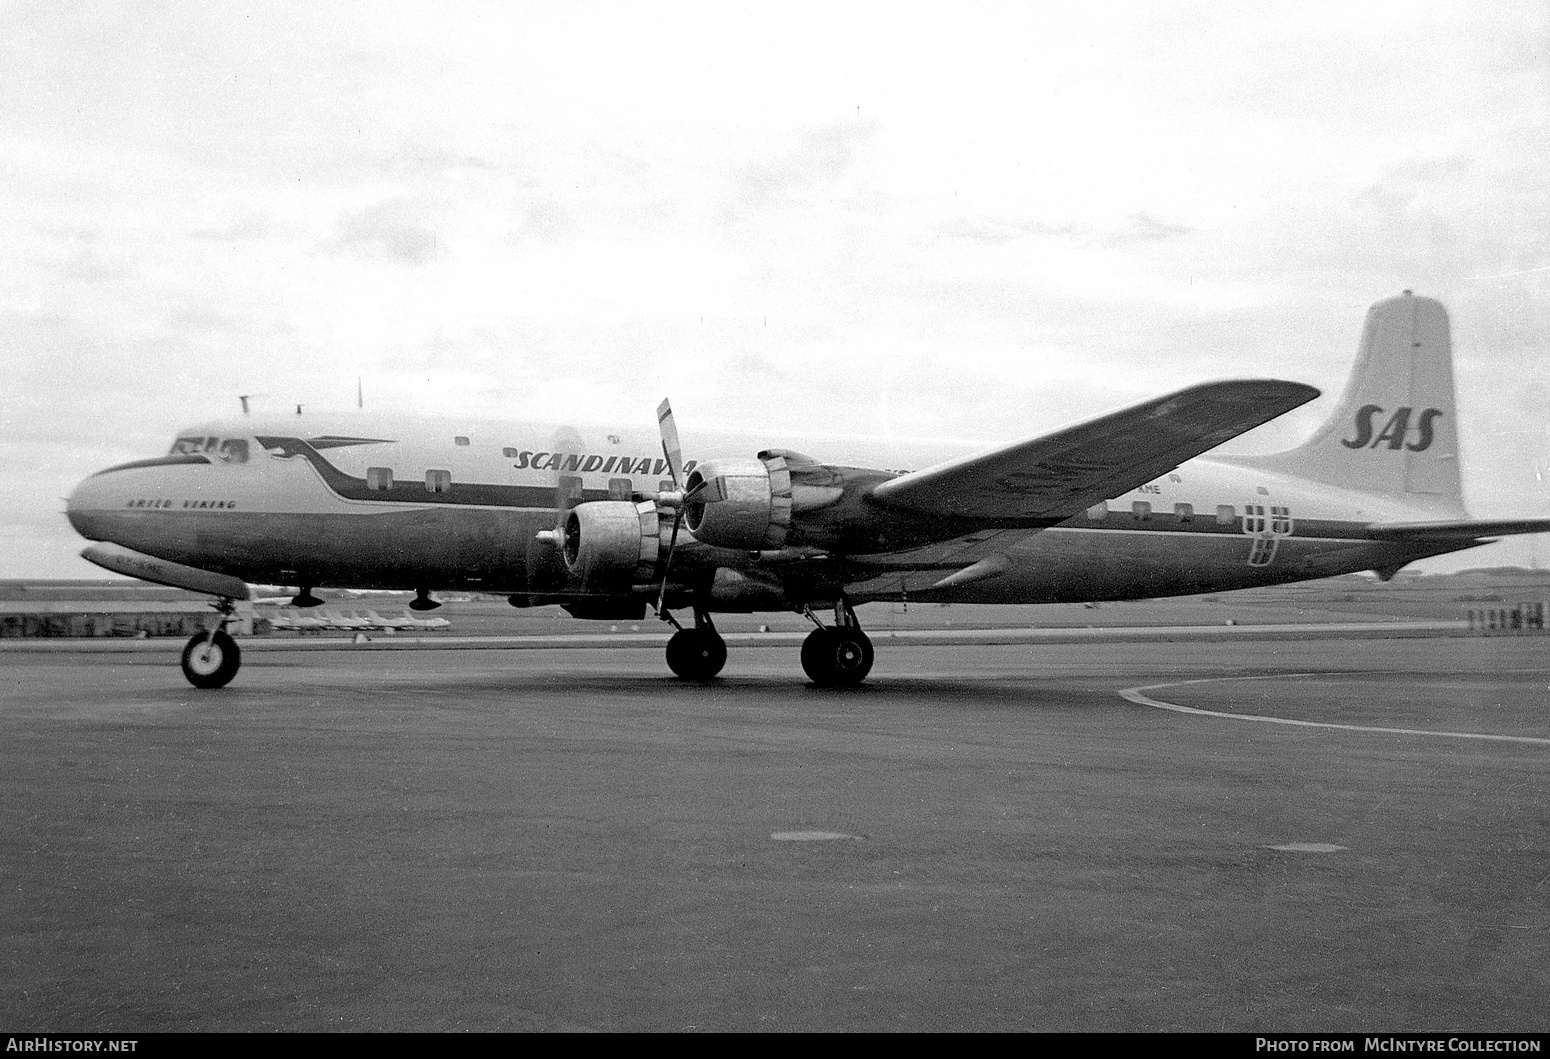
[{"x": 961, "y": 220}]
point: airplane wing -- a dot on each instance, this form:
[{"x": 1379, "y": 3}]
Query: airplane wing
[
  {"x": 1465, "y": 530},
  {"x": 1046, "y": 480}
]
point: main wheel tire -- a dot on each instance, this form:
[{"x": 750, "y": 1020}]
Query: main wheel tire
[
  {"x": 815, "y": 649},
  {"x": 211, "y": 661},
  {"x": 837, "y": 658},
  {"x": 696, "y": 655}
]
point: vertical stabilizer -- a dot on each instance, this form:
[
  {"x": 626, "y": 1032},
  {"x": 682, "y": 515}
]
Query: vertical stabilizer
[{"x": 1395, "y": 429}]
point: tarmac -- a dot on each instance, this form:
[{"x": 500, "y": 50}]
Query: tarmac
[{"x": 1262, "y": 833}]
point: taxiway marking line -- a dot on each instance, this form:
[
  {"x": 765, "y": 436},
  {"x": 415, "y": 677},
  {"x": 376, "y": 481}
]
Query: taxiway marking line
[{"x": 1138, "y": 695}]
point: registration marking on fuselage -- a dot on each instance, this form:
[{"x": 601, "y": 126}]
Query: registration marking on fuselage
[{"x": 1138, "y": 695}]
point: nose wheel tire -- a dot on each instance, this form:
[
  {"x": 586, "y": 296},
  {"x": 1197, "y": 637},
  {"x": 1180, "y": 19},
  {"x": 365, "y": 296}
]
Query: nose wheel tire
[
  {"x": 211, "y": 661},
  {"x": 837, "y": 657},
  {"x": 694, "y": 654}
]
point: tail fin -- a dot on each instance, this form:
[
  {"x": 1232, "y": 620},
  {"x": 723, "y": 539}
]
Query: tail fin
[{"x": 1395, "y": 429}]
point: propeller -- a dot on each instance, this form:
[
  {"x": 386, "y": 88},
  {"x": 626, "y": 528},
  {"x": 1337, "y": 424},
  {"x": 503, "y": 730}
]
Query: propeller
[{"x": 707, "y": 491}]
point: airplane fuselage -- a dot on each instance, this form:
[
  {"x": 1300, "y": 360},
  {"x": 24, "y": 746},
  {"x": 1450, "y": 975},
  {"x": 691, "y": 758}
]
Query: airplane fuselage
[{"x": 365, "y": 502}]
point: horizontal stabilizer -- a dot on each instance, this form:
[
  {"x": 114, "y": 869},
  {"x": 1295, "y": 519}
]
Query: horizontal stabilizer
[
  {"x": 1048, "y": 479},
  {"x": 1465, "y": 530}
]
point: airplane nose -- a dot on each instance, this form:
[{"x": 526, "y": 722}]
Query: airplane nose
[{"x": 85, "y": 506}]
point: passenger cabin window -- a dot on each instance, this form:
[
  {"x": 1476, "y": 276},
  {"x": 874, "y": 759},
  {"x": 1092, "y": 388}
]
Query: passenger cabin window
[
  {"x": 379, "y": 478},
  {"x": 509, "y": 452},
  {"x": 570, "y": 490},
  {"x": 1141, "y": 510},
  {"x": 1098, "y": 511},
  {"x": 438, "y": 481},
  {"x": 1226, "y": 514},
  {"x": 1185, "y": 512},
  {"x": 460, "y": 440},
  {"x": 620, "y": 488}
]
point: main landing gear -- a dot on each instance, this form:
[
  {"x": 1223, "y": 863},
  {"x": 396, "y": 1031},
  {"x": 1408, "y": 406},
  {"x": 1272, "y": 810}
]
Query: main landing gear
[
  {"x": 697, "y": 653},
  {"x": 839, "y": 656},
  {"x": 212, "y": 658}
]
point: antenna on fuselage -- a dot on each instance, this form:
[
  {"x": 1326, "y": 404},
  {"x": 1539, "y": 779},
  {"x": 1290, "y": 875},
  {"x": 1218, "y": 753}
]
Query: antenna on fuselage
[
  {"x": 243, "y": 397},
  {"x": 360, "y": 398}
]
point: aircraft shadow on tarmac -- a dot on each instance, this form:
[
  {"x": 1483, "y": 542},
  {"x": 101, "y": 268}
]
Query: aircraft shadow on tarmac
[{"x": 1000, "y": 691}]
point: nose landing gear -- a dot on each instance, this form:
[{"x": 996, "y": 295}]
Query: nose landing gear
[{"x": 212, "y": 658}]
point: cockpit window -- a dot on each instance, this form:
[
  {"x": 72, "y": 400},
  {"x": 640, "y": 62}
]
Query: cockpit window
[{"x": 227, "y": 450}]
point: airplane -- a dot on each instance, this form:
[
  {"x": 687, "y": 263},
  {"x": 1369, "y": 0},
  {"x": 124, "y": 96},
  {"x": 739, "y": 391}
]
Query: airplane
[
  {"x": 608, "y": 522},
  {"x": 342, "y": 621},
  {"x": 281, "y": 621},
  {"x": 396, "y": 624},
  {"x": 431, "y": 624}
]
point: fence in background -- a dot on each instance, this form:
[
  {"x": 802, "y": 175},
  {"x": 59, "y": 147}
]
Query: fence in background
[
  {"x": 61, "y": 619},
  {"x": 1508, "y": 618}
]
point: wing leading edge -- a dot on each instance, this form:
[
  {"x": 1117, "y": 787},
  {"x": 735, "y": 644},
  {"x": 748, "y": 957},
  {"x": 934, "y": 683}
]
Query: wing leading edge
[{"x": 1048, "y": 479}]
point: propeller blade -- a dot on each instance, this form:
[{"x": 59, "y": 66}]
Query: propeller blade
[
  {"x": 707, "y": 491},
  {"x": 667, "y": 563},
  {"x": 670, "y": 447}
]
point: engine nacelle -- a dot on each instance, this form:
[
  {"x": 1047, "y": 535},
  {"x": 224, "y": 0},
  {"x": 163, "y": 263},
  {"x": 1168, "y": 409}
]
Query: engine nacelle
[
  {"x": 612, "y": 544},
  {"x": 754, "y": 509}
]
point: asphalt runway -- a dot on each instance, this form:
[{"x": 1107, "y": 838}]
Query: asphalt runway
[{"x": 981, "y": 838}]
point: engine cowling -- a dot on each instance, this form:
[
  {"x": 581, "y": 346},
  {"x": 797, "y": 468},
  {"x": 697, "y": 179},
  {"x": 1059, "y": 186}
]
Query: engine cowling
[
  {"x": 611, "y": 545},
  {"x": 754, "y": 509}
]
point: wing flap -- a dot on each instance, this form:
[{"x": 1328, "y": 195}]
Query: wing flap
[{"x": 1030, "y": 483}]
